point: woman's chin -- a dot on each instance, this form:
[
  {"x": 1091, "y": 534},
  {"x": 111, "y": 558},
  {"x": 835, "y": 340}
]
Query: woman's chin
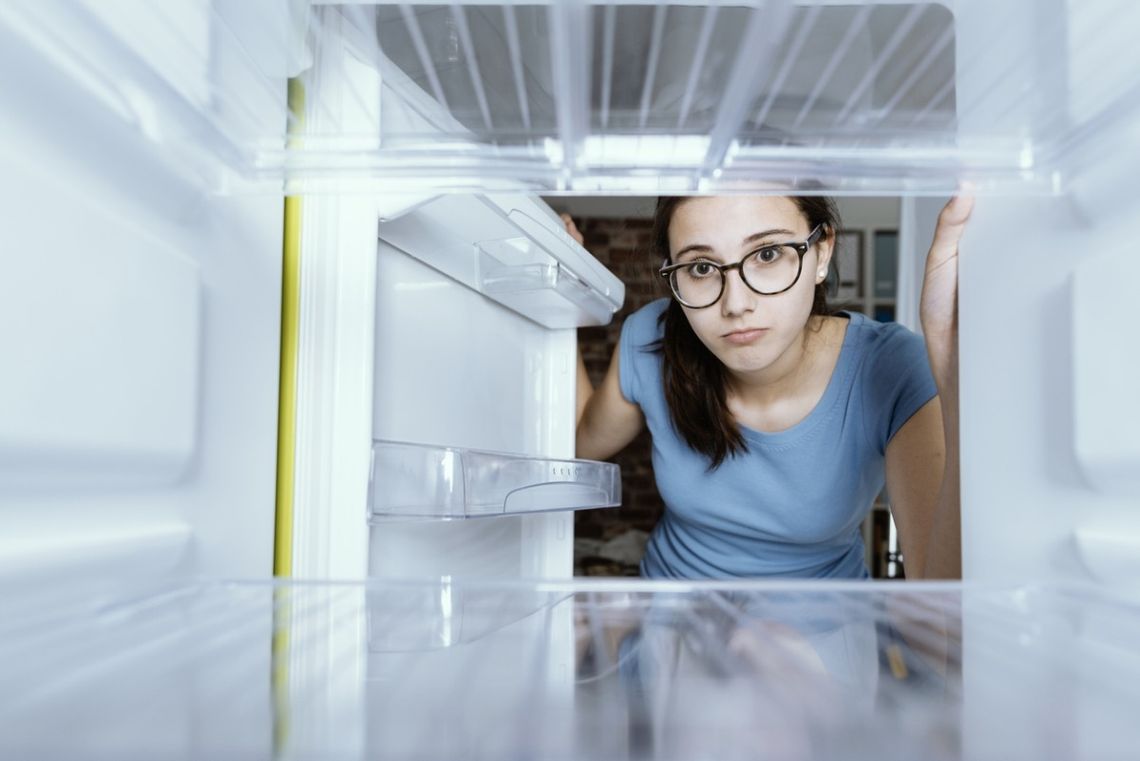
[{"x": 745, "y": 360}]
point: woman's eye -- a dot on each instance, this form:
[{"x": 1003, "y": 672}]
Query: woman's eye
[
  {"x": 701, "y": 269},
  {"x": 768, "y": 255}
]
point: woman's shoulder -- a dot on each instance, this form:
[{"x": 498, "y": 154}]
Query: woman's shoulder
[
  {"x": 640, "y": 361},
  {"x": 885, "y": 349},
  {"x": 874, "y": 335},
  {"x": 643, "y": 327}
]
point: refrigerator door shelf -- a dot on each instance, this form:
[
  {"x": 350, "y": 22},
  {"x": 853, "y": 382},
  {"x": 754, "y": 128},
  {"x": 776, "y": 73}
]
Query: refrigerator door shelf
[
  {"x": 519, "y": 276},
  {"x": 543, "y": 273},
  {"x": 447, "y": 483},
  {"x": 515, "y": 251}
]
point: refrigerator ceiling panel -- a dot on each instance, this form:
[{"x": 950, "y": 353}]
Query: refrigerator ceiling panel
[{"x": 619, "y": 97}]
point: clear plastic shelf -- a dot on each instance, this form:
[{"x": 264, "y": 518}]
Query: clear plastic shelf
[
  {"x": 447, "y": 483},
  {"x": 518, "y": 274},
  {"x": 513, "y": 250},
  {"x": 586, "y": 96},
  {"x": 542, "y": 273}
]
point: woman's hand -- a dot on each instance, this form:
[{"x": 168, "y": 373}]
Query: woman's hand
[
  {"x": 572, "y": 228},
  {"x": 940, "y": 530},
  {"x": 939, "y": 305}
]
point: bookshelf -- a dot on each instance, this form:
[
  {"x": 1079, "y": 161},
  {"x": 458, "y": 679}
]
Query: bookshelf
[{"x": 865, "y": 279}]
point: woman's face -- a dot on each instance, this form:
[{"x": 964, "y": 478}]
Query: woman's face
[{"x": 746, "y": 331}]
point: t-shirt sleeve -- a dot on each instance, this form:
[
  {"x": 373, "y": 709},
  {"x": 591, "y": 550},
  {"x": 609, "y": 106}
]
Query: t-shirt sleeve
[
  {"x": 638, "y": 333},
  {"x": 897, "y": 383}
]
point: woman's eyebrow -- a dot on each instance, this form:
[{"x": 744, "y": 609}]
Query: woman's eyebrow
[
  {"x": 702, "y": 248},
  {"x": 754, "y": 237},
  {"x": 695, "y": 248}
]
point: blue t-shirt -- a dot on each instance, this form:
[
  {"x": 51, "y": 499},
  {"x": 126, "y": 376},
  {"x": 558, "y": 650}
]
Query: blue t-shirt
[{"x": 792, "y": 505}]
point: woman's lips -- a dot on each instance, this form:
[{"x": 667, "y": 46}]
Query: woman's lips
[{"x": 742, "y": 337}]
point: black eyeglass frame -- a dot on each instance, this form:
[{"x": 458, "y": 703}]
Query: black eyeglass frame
[{"x": 800, "y": 247}]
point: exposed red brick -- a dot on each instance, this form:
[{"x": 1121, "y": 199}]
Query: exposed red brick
[{"x": 623, "y": 246}]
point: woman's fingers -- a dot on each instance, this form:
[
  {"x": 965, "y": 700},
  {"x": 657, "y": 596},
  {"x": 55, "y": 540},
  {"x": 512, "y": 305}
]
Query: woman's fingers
[
  {"x": 938, "y": 307},
  {"x": 572, "y": 228},
  {"x": 951, "y": 224}
]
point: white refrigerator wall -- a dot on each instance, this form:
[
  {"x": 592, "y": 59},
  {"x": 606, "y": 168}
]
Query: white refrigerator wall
[
  {"x": 454, "y": 368},
  {"x": 1049, "y": 416},
  {"x": 1050, "y": 449},
  {"x": 140, "y": 342}
]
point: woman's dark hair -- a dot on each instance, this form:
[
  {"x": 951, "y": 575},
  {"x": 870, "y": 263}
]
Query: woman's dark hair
[{"x": 695, "y": 383}]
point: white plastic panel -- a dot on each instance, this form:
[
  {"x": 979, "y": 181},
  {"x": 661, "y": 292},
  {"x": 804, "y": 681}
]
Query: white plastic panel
[
  {"x": 1041, "y": 476},
  {"x": 173, "y": 42},
  {"x": 628, "y": 670},
  {"x": 1045, "y": 450},
  {"x": 101, "y": 345},
  {"x": 138, "y": 398},
  {"x": 1109, "y": 545},
  {"x": 588, "y": 96},
  {"x": 1106, "y": 409},
  {"x": 193, "y": 78},
  {"x": 448, "y": 483}
]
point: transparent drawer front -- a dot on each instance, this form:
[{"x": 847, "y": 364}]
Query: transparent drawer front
[
  {"x": 436, "y": 482},
  {"x": 519, "y": 275}
]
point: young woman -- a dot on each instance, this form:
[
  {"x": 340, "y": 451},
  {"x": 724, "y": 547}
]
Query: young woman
[{"x": 775, "y": 423}]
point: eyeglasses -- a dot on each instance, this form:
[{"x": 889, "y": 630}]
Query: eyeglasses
[{"x": 768, "y": 270}]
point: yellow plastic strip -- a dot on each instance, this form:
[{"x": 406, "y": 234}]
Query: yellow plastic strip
[
  {"x": 287, "y": 393},
  {"x": 279, "y": 677},
  {"x": 286, "y": 446}
]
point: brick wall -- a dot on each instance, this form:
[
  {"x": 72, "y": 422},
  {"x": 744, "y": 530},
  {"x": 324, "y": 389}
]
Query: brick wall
[{"x": 622, "y": 245}]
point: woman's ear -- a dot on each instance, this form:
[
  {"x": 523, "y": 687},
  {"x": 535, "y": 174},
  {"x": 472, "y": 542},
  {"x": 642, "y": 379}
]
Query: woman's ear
[{"x": 825, "y": 247}]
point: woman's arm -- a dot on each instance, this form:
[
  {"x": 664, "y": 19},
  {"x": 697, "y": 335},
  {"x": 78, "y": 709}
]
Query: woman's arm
[
  {"x": 607, "y": 421},
  {"x": 917, "y": 474},
  {"x": 923, "y": 474},
  {"x": 585, "y": 388}
]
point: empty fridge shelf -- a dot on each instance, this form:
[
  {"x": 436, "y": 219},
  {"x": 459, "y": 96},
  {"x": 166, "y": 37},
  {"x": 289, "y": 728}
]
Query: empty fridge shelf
[
  {"x": 573, "y": 670},
  {"x": 669, "y": 97},
  {"x": 446, "y": 483}
]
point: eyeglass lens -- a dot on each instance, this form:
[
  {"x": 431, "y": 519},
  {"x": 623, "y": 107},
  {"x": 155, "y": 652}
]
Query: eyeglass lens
[{"x": 769, "y": 270}]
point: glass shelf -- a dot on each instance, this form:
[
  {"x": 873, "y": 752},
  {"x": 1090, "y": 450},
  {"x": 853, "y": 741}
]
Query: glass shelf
[
  {"x": 569, "y": 670},
  {"x": 596, "y": 97},
  {"x": 421, "y": 481}
]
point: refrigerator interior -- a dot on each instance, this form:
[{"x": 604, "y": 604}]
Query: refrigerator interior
[{"x": 147, "y": 150}]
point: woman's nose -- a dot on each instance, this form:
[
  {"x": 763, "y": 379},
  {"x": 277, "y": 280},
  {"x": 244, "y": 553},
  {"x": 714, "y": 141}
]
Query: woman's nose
[{"x": 737, "y": 297}]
